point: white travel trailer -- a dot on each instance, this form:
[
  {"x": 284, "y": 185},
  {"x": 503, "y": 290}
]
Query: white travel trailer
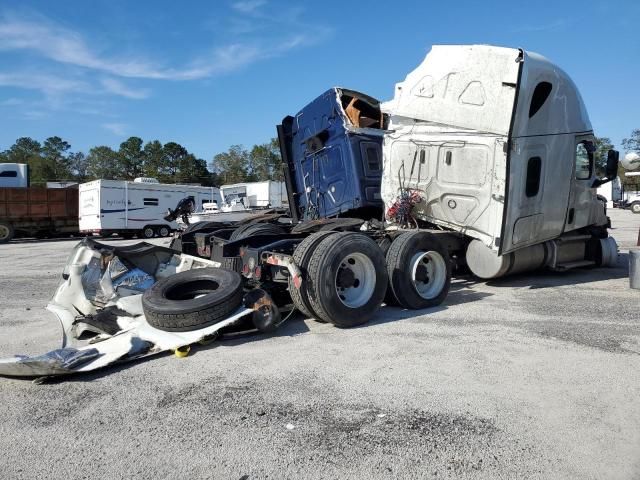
[
  {"x": 496, "y": 144},
  {"x": 14, "y": 175},
  {"x": 135, "y": 208},
  {"x": 267, "y": 194}
]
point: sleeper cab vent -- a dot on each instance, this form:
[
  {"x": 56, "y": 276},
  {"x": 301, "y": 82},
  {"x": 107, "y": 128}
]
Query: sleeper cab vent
[{"x": 151, "y": 202}]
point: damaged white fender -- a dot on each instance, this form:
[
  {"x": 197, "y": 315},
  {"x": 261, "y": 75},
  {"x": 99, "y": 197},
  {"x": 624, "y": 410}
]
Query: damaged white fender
[{"x": 99, "y": 307}]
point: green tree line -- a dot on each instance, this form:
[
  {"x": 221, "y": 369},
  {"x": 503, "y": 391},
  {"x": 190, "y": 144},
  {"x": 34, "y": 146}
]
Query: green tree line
[{"x": 54, "y": 160}]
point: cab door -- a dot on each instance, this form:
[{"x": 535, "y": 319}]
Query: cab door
[{"x": 581, "y": 196}]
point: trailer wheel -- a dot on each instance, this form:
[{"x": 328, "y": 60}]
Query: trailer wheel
[
  {"x": 347, "y": 279},
  {"x": 6, "y": 232},
  {"x": 193, "y": 299},
  {"x": 301, "y": 257},
  {"x": 148, "y": 232},
  {"x": 163, "y": 231},
  {"x": 246, "y": 231},
  {"x": 419, "y": 270},
  {"x": 635, "y": 207}
]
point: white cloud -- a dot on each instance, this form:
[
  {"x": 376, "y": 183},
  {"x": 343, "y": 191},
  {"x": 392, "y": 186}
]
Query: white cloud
[
  {"x": 64, "y": 46},
  {"x": 118, "y": 129},
  {"x": 35, "y": 114},
  {"x": 248, "y": 6},
  {"x": 77, "y": 76},
  {"x": 48, "y": 84},
  {"x": 116, "y": 87},
  {"x": 68, "y": 47}
]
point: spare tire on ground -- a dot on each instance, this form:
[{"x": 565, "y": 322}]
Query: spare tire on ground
[{"x": 193, "y": 299}]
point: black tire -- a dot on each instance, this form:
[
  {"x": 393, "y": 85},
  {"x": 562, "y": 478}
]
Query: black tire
[
  {"x": 385, "y": 243},
  {"x": 301, "y": 256},
  {"x": 399, "y": 258},
  {"x": 635, "y": 207},
  {"x": 7, "y": 232},
  {"x": 331, "y": 259},
  {"x": 147, "y": 232},
  {"x": 246, "y": 231},
  {"x": 170, "y": 304},
  {"x": 163, "y": 231}
]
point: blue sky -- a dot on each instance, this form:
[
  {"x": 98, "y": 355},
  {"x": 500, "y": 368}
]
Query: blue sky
[{"x": 212, "y": 74}]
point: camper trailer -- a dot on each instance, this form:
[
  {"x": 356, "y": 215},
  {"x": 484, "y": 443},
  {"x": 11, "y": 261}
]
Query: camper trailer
[{"x": 135, "y": 208}]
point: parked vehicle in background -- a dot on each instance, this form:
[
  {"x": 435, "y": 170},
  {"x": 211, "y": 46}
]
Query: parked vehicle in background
[
  {"x": 611, "y": 192},
  {"x": 267, "y": 194},
  {"x": 631, "y": 196},
  {"x": 34, "y": 211},
  {"x": 14, "y": 175},
  {"x": 37, "y": 211},
  {"x": 135, "y": 208}
]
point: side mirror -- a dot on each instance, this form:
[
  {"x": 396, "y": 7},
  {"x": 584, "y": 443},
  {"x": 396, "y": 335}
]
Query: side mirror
[{"x": 613, "y": 158}]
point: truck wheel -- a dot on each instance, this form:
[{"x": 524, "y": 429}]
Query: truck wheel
[
  {"x": 246, "y": 231},
  {"x": 301, "y": 257},
  {"x": 347, "y": 279},
  {"x": 193, "y": 299},
  {"x": 6, "y": 232},
  {"x": 163, "y": 231},
  {"x": 635, "y": 207},
  {"x": 419, "y": 270},
  {"x": 148, "y": 232}
]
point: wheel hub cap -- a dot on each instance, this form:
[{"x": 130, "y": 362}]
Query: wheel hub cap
[
  {"x": 428, "y": 273},
  {"x": 355, "y": 280}
]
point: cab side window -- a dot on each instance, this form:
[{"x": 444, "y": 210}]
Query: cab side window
[{"x": 584, "y": 160}]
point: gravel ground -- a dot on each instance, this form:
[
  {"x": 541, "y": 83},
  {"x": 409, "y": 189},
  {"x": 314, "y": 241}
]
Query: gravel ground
[{"x": 534, "y": 376}]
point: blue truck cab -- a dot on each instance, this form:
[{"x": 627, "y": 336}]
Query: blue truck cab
[{"x": 332, "y": 154}]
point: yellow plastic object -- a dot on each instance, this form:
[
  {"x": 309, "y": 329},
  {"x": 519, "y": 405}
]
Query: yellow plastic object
[{"x": 182, "y": 352}]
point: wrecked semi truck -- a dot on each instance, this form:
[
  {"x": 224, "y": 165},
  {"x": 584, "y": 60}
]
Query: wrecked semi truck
[
  {"x": 487, "y": 159},
  {"x": 485, "y": 155}
]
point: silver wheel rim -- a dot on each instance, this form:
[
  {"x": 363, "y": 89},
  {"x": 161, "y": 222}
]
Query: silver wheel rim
[
  {"x": 4, "y": 232},
  {"x": 148, "y": 232},
  {"x": 164, "y": 231},
  {"x": 428, "y": 273},
  {"x": 635, "y": 208},
  {"x": 355, "y": 280}
]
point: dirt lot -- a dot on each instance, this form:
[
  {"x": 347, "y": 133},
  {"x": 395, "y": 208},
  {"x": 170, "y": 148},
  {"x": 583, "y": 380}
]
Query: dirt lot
[{"x": 533, "y": 376}]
